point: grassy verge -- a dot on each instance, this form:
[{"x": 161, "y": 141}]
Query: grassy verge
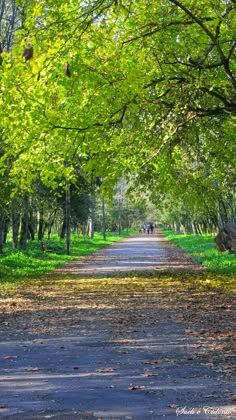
[
  {"x": 203, "y": 249},
  {"x": 18, "y": 265}
]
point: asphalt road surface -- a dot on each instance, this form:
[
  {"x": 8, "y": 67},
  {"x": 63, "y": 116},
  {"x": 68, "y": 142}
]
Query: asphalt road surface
[
  {"x": 110, "y": 355},
  {"x": 141, "y": 253}
]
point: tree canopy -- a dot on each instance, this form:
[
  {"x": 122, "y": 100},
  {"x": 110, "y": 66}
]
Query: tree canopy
[{"x": 138, "y": 88}]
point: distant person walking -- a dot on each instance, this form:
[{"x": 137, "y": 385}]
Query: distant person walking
[{"x": 150, "y": 228}]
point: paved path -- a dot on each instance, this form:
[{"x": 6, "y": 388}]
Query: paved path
[
  {"x": 138, "y": 253},
  {"x": 110, "y": 348}
]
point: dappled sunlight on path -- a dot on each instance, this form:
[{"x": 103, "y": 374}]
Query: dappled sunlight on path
[
  {"x": 111, "y": 350},
  {"x": 88, "y": 345},
  {"x": 138, "y": 253}
]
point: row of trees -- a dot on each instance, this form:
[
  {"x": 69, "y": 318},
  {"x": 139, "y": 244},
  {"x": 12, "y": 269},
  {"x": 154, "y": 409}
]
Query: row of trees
[
  {"x": 41, "y": 214},
  {"x": 121, "y": 88}
]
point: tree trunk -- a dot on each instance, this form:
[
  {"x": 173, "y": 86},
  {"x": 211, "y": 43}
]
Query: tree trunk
[
  {"x": 51, "y": 223},
  {"x": 63, "y": 228},
  {"x": 31, "y": 231},
  {"x": 103, "y": 220},
  {"x": 222, "y": 214},
  {"x": 119, "y": 216},
  {"x": 232, "y": 208},
  {"x": 91, "y": 217},
  {"x": 24, "y": 223},
  {"x": 41, "y": 224},
  {"x": 15, "y": 217},
  {"x": 5, "y": 230},
  {"x": 193, "y": 228},
  {"x": 68, "y": 241},
  {"x": 127, "y": 218},
  {"x": 2, "y": 228}
]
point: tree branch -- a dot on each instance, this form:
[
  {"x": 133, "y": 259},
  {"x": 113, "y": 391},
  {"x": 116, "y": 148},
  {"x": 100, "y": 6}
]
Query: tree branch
[
  {"x": 214, "y": 39},
  {"x": 216, "y": 95},
  {"x": 95, "y": 125},
  {"x": 168, "y": 137}
]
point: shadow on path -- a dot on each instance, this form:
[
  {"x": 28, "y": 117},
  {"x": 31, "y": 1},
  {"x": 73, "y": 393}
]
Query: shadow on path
[
  {"x": 130, "y": 361},
  {"x": 141, "y": 253},
  {"x": 82, "y": 347}
]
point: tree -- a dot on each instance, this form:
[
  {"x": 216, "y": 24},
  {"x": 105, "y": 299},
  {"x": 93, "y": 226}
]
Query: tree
[{"x": 131, "y": 87}]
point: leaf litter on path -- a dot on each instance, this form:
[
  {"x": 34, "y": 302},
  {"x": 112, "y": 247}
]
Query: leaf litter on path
[{"x": 136, "y": 313}]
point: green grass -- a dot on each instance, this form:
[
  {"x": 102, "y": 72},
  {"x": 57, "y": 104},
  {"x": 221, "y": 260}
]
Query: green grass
[
  {"x": 203, "y": 249},
  {"x": 18, "y": 265}
]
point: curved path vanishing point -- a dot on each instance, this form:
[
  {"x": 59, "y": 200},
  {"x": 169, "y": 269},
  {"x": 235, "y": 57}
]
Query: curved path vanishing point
[{"x": 138, "y": 253}]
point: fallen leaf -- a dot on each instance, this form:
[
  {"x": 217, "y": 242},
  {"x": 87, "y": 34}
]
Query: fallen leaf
[
  {"x": 203, "y": 331},
  {"x": 153, "y": 362},
  {"x": 149, "y": 374},
  {"x": 105, "y": 370},
  {"x": 9, "y": 357}
]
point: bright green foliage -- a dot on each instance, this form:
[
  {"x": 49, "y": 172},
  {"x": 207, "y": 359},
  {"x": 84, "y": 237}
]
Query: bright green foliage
[
  {"x": 203, "y": 249},
  {"x": 145, "y": 89},
  {"x": 18, "y": 265}
]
